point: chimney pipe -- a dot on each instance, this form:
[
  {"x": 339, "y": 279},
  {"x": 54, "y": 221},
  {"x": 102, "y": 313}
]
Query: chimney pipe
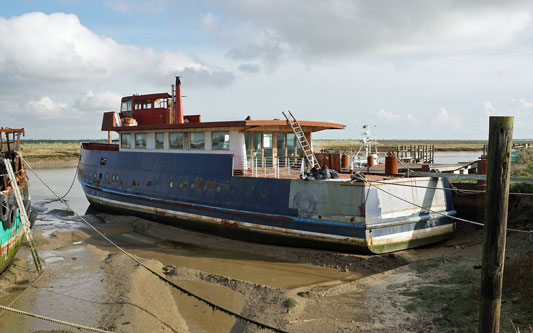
[{"x": 179, "y": 107}]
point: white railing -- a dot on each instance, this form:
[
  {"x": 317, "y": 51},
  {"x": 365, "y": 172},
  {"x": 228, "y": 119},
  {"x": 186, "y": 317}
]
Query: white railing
[{"x": 267, "y": 167}]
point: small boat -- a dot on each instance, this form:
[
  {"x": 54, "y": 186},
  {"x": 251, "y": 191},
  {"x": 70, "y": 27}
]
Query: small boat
[
  {"x": 12, "y": 231},
  {"x": 361, "y": 159},
  {"x": 246, "y": 179}
]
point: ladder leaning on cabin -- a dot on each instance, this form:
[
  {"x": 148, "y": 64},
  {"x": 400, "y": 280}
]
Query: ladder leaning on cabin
[{"x": 302, "y": 140}]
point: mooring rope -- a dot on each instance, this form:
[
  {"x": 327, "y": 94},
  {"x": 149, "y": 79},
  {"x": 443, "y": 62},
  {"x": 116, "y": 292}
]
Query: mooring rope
[
  {"x": 73, "y": 179},
  {"x": 363, "y": 179},
  {"x": 453, "y": 188},
  {"x": 163, "y": 278},
  {"x": 53, "y": 320}
]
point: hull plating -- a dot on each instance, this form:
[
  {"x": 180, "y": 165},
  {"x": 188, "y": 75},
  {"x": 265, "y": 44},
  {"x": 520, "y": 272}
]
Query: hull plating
[{"x": 199, "y": 191}]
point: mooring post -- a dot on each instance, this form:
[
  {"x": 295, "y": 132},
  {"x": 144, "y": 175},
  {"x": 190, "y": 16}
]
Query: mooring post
[{"x": 496, "y": 202}]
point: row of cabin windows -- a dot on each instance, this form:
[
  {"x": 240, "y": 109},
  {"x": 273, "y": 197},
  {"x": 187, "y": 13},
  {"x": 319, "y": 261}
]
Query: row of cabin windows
[
  {"x": 192, "y": 140},
  {"x": 262, "y": 145},
  {"x": 147, "y": 104}
]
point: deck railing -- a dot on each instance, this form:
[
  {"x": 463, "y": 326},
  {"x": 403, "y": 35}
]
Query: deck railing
[{"x": 267, "y": 167}]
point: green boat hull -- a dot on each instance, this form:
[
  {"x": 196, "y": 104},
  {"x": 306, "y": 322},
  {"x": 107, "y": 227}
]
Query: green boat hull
[{"x": 10, "y": 241}]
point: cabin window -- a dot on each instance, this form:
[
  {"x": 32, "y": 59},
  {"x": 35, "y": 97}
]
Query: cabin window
[
  {"x": 159, "y": 140},
  {"x": 247, "y": 143},
  {"x": 257, "y": 146},
  {"x": 281, "y": 139},
  {"x": 125, "y": 140},
  {"x": 126, "y": 105},
  {"x": 175, "y": 140},
  {"x": 140, "y": 140},
  {"x": 160, "y": 103},
  {"x": 198, "y": 140},
  {"x": 147, "y": 105},
  {"x": 291, "y": 144},
  {"x": 267, "y": 149},
  {"x": 138, "y": 106},
  {"x": 220, "y": 140}
]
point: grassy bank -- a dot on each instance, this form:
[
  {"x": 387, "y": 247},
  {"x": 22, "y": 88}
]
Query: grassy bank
[{"x": 49, "y": 152}]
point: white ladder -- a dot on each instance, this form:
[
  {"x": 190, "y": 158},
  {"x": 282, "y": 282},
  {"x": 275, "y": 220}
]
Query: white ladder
[
  {"x": 23, "y": 215},
  {"x": 302, "y": 140}
]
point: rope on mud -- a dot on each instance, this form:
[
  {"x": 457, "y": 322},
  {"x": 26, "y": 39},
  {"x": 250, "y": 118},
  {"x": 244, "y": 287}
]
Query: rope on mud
[
  {"x": 25, "y": 290},
  {"x": 163, "y": 278},
  {"x": 53, "y": 320},
  {"x": 362, "y": 178}
]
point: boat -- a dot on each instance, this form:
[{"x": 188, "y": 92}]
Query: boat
[
  {"x": 245, "y": 179},
  {"x": 361, "y": 159},
  {"x": 12, "y": 231}
]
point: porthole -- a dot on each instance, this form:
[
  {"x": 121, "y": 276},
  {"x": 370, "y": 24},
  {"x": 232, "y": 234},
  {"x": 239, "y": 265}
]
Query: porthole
[
  {"x": 205, "y": 187},
  {"x": 218, "y": 189},
  {"x": 192, "y": 186},
  {"x": 180, "y": 185},
  {"x": 264, "y": 193},
  {"x": 106, "y": 176},
  {"x": 170, "y": 184}
]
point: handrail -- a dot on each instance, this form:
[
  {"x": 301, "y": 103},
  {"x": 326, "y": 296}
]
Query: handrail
[{"x": 266, "y": 167}]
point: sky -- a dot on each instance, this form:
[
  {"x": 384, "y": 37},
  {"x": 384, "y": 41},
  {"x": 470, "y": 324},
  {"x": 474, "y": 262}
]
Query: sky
[{"x": 414, "y": 69}]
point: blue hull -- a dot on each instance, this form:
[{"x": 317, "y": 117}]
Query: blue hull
[{"x": 199, "y": 190}]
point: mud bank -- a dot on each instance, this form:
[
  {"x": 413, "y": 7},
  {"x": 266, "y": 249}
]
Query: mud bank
[{"x": 300, "y": 290}]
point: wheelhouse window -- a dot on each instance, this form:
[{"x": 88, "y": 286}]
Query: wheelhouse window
[
  {"x": 140, "y": 140},
  {"x": 160, "y": 103},
  {"x": 198, "y": 140},
  {"x": 175, "y": 140},
  {"x": 125, "y": 140},
  {"x": 126, "y": 105},
  {"x": 159, "y": 140},
  {"x": 220, "y": 140}
]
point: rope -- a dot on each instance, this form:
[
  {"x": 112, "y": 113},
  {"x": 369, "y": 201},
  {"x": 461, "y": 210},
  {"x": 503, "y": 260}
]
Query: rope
[
  {"x": 453, "y": 188},
  {"x": 53, "y": 320},
  {"x": 73, "y": 179},
  {"x": 433, "y": 211},
  {"x": 163, "y": 278}
]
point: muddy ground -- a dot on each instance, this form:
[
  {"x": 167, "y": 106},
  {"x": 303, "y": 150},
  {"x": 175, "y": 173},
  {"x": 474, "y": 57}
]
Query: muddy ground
[{"x": 89, "y": 282}]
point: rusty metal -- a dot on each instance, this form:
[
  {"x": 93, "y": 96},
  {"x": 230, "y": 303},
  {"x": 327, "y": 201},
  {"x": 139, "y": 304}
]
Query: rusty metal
[
  {"x": 391, "y": 164},
  {"x": 482, "y": 166},
  {"x": 178, "y": 105},
  {"x": 370, "y": 160},
  {"x": 345, "y": 161}
]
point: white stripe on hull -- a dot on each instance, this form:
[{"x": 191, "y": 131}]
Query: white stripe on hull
[{"x": 353, "y": 241}]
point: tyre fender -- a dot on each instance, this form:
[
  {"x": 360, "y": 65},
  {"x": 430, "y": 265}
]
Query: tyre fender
[
  {"x": 9, "y": 222},
  {"x": 5, "y": 211}
]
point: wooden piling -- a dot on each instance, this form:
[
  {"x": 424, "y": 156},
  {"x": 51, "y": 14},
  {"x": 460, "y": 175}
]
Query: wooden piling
[{"x": 496, "y": 202}]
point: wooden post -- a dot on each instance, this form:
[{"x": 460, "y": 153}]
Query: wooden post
[{"x": 496, "y": 202}]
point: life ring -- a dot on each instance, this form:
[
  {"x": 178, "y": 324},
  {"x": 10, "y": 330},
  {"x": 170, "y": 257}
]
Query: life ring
[{"x": 4, "y": 208}]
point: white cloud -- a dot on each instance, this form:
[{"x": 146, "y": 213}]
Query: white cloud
[
  {"x": 388, "y": 116},
  {"x": 525, "y": 104},
  {"x": 99, "y": 102},
  {"x": 47, "y": 109},
  {"x": 57, "y": 47},
  {"x": 443, "y": 119},
  {"x": 488, "y": 108},
  {"x": 344, "y": 28},
  {"x": 443, "y": 115}
]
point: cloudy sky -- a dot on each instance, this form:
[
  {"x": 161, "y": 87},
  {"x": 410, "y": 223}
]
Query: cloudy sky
[{"x": 416, "y": 69}]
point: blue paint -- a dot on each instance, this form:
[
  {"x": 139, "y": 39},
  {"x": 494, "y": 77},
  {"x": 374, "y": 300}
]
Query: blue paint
[{"x": 203, "y": 184}]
